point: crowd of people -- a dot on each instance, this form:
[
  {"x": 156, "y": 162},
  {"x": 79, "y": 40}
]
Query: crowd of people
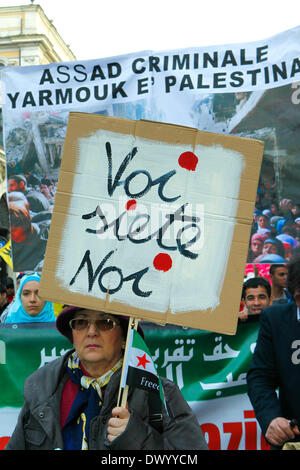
[
  {"x": 275, "y": 231},
  {"x": 273, "y": 287},
  {"x": 273, "y": 377},
  {"x": 85, "y": 380}
]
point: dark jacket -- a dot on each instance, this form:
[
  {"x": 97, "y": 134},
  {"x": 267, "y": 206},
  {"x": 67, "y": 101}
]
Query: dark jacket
[
  {"x": 276, "y": 365},
  {"x": 39, "y": 428}
]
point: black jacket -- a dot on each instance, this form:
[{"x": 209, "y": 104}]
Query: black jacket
[{"x": 276, "y": 365}]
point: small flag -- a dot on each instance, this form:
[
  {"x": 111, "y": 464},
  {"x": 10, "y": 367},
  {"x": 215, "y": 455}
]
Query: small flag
[
  {"x": 5, "y": 253},
  {"x": 140, "y": 371}
]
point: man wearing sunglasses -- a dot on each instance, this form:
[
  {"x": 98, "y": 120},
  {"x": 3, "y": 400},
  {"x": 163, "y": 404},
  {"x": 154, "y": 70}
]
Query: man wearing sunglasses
[{"x": 70, "y": 403}]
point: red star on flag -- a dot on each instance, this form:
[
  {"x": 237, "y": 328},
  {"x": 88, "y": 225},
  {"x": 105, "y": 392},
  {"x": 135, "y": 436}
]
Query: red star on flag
[{"x": 142, "y": 361}]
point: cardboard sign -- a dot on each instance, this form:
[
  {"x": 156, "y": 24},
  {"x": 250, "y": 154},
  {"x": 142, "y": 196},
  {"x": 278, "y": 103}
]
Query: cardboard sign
[{"x": 152, "y": 220}]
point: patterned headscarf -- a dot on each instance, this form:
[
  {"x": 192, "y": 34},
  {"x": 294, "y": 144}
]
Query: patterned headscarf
[{"x": 87, "y": 403}]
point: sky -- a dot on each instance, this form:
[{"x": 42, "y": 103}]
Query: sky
[{"x": 105, "y": 28}]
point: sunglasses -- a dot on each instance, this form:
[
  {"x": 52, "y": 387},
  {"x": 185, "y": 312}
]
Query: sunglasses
[{"x": 102, "y": 324}]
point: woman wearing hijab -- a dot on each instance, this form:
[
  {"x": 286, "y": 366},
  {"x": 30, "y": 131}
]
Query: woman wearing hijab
[
  {"x": 256, "y": 246},
  {"x": 272, "y": 246},
  {"x": 262, "y": 223},
  {"x": 28, "y": 307}
]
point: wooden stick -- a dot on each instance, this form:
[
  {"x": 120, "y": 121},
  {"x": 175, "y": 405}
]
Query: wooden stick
[{"x": 123, "y": 392}]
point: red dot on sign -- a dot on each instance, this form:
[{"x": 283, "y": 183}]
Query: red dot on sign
[
  {"x": 162, "y": 262},
  {"x": 188, "y": 160},
  {"x": 3, "y": 441},
  {"x": 131, "y": 205}
]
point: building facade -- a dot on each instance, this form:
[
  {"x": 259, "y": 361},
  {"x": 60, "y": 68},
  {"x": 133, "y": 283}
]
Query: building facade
[{"x": 27, "y": 37}]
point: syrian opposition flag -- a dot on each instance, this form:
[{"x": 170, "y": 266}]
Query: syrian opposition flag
[{"x": 140, "y": 371}]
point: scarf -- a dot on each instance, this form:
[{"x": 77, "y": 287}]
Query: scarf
[
  {"x": 87, "y": 404},
  {"x": 17, "y": 314}
]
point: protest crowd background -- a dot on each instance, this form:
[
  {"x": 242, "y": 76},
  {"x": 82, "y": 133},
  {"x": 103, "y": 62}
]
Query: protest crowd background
[{"x": 210, "y": 368}]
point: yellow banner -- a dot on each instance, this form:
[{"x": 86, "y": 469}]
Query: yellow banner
[{"x": 5, "y": 253}]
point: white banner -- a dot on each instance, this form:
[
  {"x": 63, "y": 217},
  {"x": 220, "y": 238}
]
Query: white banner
[
  {"x": 159, "y": 75},
  {"x": 216, "y": 89}
]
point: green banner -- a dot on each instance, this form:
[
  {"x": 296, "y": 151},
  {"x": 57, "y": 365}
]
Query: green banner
[
  {"x": 204, "y": 365},
  {"x": 22, "y": 351}
]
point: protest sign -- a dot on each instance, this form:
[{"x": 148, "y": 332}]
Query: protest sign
[
  {"x": 152, "y": 220},
  {"x": 249, "y": 89}
]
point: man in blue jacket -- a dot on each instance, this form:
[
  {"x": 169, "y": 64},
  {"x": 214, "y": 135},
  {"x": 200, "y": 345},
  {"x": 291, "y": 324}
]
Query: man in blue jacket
[{"x": 276, "y": 367}]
